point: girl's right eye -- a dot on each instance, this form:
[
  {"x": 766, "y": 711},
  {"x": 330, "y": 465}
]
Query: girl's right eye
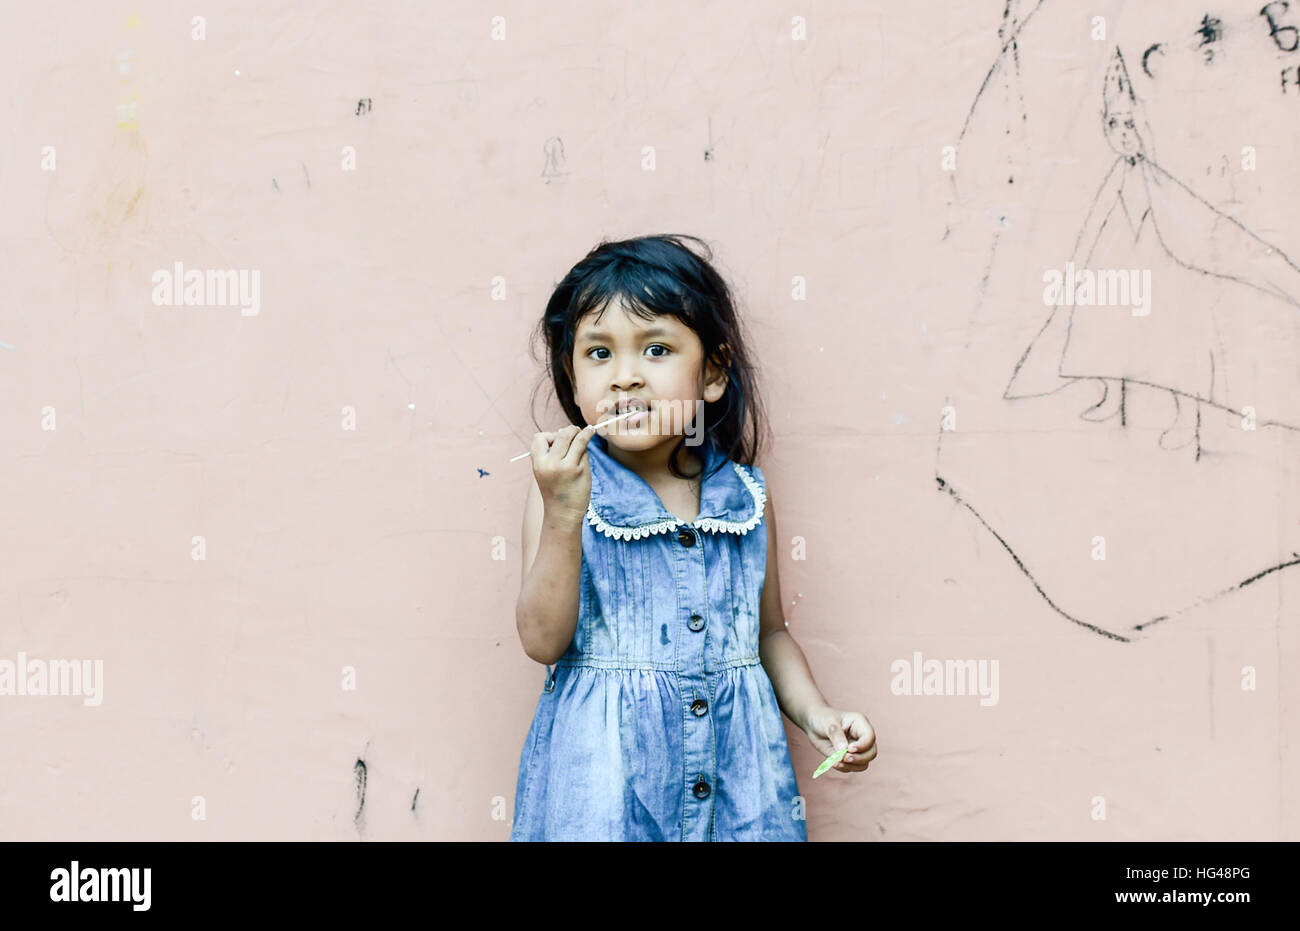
[{"x": 597, "y": 349}]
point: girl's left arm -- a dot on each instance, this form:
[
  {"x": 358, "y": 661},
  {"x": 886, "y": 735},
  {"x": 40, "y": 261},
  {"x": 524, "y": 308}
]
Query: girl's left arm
[{"x": 827, "y": 727}]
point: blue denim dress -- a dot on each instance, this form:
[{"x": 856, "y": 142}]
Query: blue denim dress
[{"x": 659, "y": 722}]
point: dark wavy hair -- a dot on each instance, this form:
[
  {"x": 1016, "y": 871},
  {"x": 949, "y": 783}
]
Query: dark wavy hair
[{"x": 660, "y": 275}]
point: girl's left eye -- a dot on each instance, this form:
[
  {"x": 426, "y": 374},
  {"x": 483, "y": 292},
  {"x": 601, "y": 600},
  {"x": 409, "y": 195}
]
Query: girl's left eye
[{"x": 661, "y": 346}]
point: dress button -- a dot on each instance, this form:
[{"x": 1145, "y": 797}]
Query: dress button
[
  {"x": 686, "y": 537},
  {"x": 696, "y": 622},
  {"x": 699, "y": 706},
  {"x": 701, "y": 789}
]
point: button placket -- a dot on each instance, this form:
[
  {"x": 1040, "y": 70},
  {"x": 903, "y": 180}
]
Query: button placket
[{"x": 699, "y": 727}]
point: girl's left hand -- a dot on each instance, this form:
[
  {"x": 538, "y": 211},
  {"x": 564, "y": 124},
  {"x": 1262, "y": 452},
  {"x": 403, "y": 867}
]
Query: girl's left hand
[{"x": 830, "y": 729}]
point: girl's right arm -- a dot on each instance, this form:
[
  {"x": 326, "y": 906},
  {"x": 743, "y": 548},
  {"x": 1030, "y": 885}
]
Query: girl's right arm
[{"x": 546, "y": 614}]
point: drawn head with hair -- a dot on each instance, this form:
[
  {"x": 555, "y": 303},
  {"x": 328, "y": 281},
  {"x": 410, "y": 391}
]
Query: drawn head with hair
[{"x": 1120, "y": 112}]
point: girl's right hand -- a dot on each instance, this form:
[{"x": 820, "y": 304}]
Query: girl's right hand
[{"x": 562, "y": 471}]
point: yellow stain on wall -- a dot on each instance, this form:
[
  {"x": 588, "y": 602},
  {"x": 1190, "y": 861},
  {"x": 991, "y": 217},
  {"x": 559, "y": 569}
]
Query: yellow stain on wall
[
  {"x": 133, "y": 21},
  {"x": 126, "y": 115}
]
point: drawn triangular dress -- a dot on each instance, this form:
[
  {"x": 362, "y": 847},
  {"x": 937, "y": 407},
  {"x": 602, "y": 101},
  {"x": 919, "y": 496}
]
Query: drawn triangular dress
[{"x": 1223, "y": 323}]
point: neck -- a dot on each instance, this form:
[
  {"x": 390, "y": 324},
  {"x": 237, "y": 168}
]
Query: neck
[{"x": 652, "y": 463}]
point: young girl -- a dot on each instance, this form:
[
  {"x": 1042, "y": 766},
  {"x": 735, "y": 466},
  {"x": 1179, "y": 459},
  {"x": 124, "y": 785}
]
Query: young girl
[{"x": 649, "y": 574}]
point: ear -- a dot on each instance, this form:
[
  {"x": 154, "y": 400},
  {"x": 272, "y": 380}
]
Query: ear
[
  {"x": 715, "y": 375},
  {"x": 721, "y": 357}
]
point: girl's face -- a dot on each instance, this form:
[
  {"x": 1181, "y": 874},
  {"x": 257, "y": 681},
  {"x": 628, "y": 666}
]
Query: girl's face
[
  {"x": 654, "y": 364},
  {"x": 1121, "y": 132}
]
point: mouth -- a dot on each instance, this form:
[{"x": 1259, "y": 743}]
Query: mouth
[{"x": 641, "y": 408}]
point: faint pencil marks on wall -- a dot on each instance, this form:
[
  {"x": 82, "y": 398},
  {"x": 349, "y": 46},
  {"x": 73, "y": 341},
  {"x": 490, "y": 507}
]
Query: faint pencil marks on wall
[
  {"x": 1012, "y": 87},
  {"x": 1009, "y": 32},
  {"x": 553, "y": 169},
  {"x": 1006, "y": 66},
  {"x": 275, "y": 184}
]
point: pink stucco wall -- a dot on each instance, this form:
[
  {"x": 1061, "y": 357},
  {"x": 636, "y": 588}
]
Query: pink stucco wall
[{"x": 405, "y": 290}]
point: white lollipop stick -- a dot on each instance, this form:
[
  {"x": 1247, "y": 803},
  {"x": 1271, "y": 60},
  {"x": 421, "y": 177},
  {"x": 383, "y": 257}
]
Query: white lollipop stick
[{"x": 598, "y": 426}]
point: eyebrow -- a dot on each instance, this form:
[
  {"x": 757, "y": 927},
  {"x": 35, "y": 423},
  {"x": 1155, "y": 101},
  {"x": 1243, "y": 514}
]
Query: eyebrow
[{"x": 645, "y": 334}]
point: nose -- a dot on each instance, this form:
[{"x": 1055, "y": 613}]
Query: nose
[{"x": 627, "y": 377}]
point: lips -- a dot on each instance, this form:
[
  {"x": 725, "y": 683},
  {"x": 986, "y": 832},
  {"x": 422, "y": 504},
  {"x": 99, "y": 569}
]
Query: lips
[{"x": 634, "y": 404}]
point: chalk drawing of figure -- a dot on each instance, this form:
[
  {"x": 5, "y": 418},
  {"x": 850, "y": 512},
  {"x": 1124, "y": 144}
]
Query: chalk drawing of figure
[{"x": 1223, "y": 325}]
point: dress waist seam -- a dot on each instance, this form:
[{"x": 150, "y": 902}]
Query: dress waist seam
[{"x": 663, "y": 667}]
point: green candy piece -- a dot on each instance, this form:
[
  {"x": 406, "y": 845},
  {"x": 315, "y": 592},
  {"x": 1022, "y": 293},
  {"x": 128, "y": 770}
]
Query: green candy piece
[{"x": 830, "y": 761}]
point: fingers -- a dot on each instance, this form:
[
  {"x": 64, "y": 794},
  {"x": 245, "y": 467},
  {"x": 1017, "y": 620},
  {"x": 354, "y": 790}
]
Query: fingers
[
  {"x": 541, "y": 443},
  {"x": 856, "y": 762},
  {"x": 846, "y": 767},
  {"x": 863, "y": 745},
  {"x": 855, "y": 731},
  {"x": 835, "y": 734},
  {"x": 859, "y": 729},
  {"x": 554, "y": 442},
  {"x": 578, "y": 442},
  {"x": 859, "y": 754},
  {"x": 560, "y": 443}
]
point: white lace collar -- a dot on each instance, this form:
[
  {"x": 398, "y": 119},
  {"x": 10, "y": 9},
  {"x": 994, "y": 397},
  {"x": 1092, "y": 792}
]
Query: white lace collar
[{"x": 623, "y": 506}]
